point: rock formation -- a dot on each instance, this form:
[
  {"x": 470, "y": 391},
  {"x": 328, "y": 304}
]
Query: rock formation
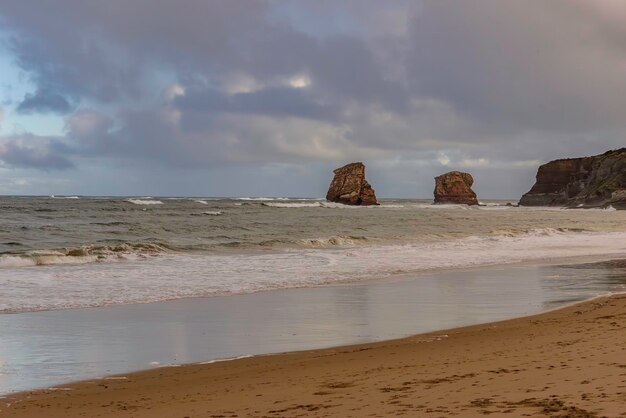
[
  {"x": 455, "y": 187},
  {"x": 597, "y": 181},
  {"x": 350, "y": 187}
]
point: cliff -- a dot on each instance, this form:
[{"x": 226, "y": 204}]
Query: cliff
[
  {"x": 455, "y": 187},
  {"x": 350, "y": 187},
  {"x": 597, "y": 181}
]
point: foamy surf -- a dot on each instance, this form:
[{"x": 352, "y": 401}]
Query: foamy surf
[
  {"x": 220, "y": 360},
  {"x": 320, "y": 204},
  {"x": 145, "y": 201},
  {"x": 175, "y": 275},
  {"x": 213, "y": 212}
]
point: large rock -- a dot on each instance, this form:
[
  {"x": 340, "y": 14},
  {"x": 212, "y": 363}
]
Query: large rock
[
  {"x": 597, "y": 181},
  {"x": 350, "y": 187},
  {"x": 455, "y": 187}
]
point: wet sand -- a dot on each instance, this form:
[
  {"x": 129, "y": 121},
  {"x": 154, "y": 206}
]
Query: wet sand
[{"x": 565, "y": 363}]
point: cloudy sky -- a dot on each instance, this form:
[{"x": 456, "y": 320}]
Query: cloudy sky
[{"x": 258, "y": 98}]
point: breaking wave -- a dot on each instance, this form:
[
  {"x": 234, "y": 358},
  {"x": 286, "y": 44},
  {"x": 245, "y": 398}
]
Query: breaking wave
[
  {"x": 335, "y": 241},
  {"x": 209, "y": 213},
  {"x": 81, "y": 255},
  {"x": 324, "y": 204},
  {"x": 145, "y": 201}
]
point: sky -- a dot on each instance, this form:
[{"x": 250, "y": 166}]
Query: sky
[{"x": 266, "y": 98}]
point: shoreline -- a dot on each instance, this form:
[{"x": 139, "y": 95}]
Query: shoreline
[
  {"x": 138, "y": 337},
  {"x": 537, "y": 262},
  {"x": 301, "y": 382}
]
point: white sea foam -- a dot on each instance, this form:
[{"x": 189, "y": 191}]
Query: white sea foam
[
  {"x": 333, "y": 241},
  {"x": 273, "y": 199},
  {"x": 220, "y": 360},
  {"x": 293, "y": 205},
  {"x": 607, "y": 209},
  {"x": 145, "y": 201},
  {"x": 213, "y": 212},
  {"x": 440, "y": 206},
  {"x": 174, "y": 275},
  {"x": 488, "y": 207},
  {"x": 318, "y": 204}
]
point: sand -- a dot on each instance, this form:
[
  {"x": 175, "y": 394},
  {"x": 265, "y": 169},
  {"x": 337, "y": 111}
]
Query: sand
[{"x": 565, "y": 363}]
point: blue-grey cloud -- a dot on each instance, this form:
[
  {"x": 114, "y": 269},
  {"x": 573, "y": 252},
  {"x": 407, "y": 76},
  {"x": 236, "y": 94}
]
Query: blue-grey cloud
[
  {"x": 44, "y": 101},
  {"x": 29, "y": 151},
  {"x": 272, "y": 101}
]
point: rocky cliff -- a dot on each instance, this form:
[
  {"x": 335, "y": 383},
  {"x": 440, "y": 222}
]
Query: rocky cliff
[
  {"x": 597, "y": 181},
  {"x": 455, "y": 187},
  {"x": 350, "y": 187}
]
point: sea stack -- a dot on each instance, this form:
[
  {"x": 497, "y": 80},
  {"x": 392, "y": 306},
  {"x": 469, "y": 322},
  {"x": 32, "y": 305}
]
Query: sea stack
[
  {"x": 455, "y": 187},
  {"x": 597, "y": 181},
  {"x": 350, "y": 187}
]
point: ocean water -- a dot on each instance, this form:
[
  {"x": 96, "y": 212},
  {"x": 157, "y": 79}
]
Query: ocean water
[{"x": 72, "y": 252}]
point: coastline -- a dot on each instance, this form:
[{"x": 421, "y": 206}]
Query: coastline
[{"x": 564, "y": 362}]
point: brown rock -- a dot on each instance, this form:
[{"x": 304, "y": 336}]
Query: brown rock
[
  {"x": 455, "y": 187},
  {"x": 350, "y": 187},
  {"x": 595, "y": 181}
]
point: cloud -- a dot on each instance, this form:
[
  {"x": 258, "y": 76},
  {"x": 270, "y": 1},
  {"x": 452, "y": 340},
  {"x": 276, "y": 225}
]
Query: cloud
[
  {"x": 44, "y": 101},
  {"x": 28, "y": 151},
  {"x": 272, "y": 101},
  {"x": 522, "y": 66},
  {"x": 482, "y": 85},
  {"x": 87, "y": 125},
  {"x": 443, "y": 159}
]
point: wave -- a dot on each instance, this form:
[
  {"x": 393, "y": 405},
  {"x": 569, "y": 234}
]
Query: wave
[
  {"x": 440, "y": 206},
  {"x": 209, "y": 213},
  {"x": 609, "y": 208},
  {"x": 255, "y": 198},
  {"x": 334, "y": 241},
  {"x": 145, "y": 201},
  {"x": 132, "y": 251},
  {"x": 319, "y": 204},
  {"x": 272, "y": 199},
  {"x": 81, "y": 255},
  {"x": 293, "y": 205}
]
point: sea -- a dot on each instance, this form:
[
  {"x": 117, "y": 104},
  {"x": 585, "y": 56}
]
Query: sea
[
  {"x": 61, "y": 252},
  {"x": 97, "y": 286}
]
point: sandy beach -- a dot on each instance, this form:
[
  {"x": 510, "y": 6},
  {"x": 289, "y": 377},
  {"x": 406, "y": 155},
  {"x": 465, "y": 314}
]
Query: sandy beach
[{"x": 565, "y": 363}]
